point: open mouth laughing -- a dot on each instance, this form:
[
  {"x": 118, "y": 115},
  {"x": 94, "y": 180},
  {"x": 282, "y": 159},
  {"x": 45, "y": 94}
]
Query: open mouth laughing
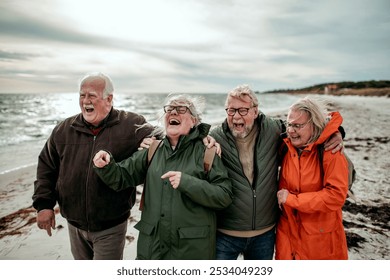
[
  {"x": 174, "y": 122},
  {"x": 89, "y": 108},
  {"x": 238, "y": 126}
]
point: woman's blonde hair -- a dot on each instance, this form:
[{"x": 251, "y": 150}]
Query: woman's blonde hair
[{"x": 317, "y": 112}]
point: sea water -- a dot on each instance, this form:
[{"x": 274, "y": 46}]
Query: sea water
[{"x": 26, "y": 120}]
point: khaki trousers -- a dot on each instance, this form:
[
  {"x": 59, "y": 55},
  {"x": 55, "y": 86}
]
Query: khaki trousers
[{"x": 101, "y": 245}]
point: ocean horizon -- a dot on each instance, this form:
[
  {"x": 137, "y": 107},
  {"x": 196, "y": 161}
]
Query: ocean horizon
[{"x": 26, "y": 120}]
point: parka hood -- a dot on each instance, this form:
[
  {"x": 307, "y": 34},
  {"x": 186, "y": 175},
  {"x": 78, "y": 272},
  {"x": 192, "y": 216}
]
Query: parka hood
[
  {"x": 200, "y": 131},
  {"x": 331, "y": 127}
]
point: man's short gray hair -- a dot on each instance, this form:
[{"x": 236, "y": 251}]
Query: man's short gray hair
[
  {"x": 241, "y": 92},
  {"x": 108, "y": 85}
]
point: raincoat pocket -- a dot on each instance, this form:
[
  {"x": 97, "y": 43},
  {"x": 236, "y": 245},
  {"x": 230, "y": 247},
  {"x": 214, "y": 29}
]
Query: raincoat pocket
[
  {"x": 318, "y": 235},
  {"x": 195, "y": 243},
  {"x": 145, "y": 240},
  {"x": 319, "y": 223}
]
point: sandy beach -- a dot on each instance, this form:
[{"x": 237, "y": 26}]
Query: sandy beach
[{"x": 366, "y": 220}]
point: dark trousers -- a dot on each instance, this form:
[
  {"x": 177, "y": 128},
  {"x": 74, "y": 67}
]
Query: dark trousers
[{"x": 260, "y": 247}]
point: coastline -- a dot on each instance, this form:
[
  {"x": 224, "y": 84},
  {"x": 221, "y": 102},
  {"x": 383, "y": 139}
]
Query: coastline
[
  {"x": 367, "y": 144},
  {"x": 341, "y": 92}
]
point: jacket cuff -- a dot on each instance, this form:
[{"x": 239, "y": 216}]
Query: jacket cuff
[{"x": 44, "y": 205}]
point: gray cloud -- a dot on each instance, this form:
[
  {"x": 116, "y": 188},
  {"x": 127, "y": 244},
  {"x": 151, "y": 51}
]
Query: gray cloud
[
  {"x": 8, "y": 56},
  {"x": 14, "y": 24},
  {"x": 268, "y": 43}
]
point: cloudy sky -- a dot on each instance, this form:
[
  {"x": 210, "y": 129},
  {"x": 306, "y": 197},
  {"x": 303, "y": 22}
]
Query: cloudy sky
[{"x": 192, "y": 46}]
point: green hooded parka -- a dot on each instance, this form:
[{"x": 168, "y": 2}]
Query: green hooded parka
[{"x": 175, "y": 223}]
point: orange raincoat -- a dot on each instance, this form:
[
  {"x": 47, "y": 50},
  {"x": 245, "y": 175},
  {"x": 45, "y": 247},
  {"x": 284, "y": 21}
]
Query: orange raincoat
[{"x": 311, "y": 223}]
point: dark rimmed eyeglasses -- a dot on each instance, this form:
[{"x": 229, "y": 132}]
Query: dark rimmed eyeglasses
[
  {"x": 179, "y": 109},
  {"x": 241, "y": 111},
  {"x": 296, "y": 126}
]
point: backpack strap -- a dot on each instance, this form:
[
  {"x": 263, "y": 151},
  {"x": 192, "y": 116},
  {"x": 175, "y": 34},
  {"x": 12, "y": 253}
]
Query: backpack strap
[
  {"x": 152, "y": 150},
  {"x": 321, "y": 158},
  {"x": 209, "y": 158},
  {"x": 282, "y": 151},
  {"x": 351, "y": 170}
]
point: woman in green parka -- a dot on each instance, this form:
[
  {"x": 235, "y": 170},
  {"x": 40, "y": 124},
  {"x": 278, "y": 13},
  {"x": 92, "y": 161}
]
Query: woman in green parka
[{"x": 178, "y": 219}]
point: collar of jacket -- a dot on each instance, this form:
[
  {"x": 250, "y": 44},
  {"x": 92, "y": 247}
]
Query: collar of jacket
[
  {"x": 112, "y": 119},
  {"x": 198, "y": 132}
]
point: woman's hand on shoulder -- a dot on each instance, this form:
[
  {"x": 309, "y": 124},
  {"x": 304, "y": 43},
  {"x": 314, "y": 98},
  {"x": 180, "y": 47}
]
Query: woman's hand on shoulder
[
  {"x": 146, "y": 143},
  {"x": 211, "y": 142}
]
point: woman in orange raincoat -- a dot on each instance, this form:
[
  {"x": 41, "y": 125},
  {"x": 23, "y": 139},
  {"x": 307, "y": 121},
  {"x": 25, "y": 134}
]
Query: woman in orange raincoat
[{"x": 311, "y": 223}]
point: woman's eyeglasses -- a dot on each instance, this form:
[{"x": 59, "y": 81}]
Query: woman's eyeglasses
[
  {"x": 241, "y": 111},
  {"x": 179, "y": 109},
  {"x": 296, "y": 126}
]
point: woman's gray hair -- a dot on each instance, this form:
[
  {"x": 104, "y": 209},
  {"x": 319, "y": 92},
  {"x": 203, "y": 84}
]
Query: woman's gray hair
[
  {"x": 108, "y": 85},
  {"x": 241, "y": 92},
  {"x": 317, "y": 112},
  {"x": 194, "y": 104}
]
